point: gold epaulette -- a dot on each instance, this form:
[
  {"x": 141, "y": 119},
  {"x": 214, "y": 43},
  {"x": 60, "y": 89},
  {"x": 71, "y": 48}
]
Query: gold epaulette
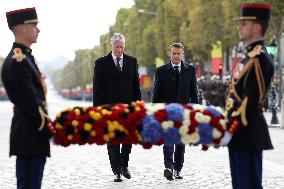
[
  {"x": 257, "y": 50},
  {"x": 18, "y": 55}
]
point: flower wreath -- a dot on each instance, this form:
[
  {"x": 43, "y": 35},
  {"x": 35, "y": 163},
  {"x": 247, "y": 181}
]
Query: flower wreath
[{"x": 147, "y": 124}]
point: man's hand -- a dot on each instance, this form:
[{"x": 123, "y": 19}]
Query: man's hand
[
  {"x": 48, "y": 130},
  {"x": 43, "y": 84}
]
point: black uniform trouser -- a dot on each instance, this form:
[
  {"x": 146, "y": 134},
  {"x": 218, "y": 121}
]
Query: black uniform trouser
[
  {"x": 29, "y": 171},
  {"x": 246, "y": 169},
  {"x": 178, "y": 152},
  {"x": 118, "y": 158}
]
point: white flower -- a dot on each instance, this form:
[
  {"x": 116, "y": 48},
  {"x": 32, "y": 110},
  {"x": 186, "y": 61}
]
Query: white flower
[
  {"x": 216, "y": 134},
  {"x": 219, "y": 109},
  {"x": 200, "y": 118},
  {"x": 186, "y": 118},
  {"x": 223, "y": 123},
  {"x": 167, "y": 124},
  {"x": 183, "y": 130},
  {"x": 185, "y": 139},
  {"x": 186, "y": 123},
  {"x": 198, "y": 107},
  {"x": 153, "y": 107},
  {"x": 194, "y": 138},
  {"x": 186, "y": 114}
]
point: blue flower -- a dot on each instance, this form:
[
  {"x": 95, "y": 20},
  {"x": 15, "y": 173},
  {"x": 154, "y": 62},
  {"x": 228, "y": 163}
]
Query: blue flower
[
  {"x": 205, "y": 133},
  {"x": 152, "y": 130},
  {"x": 175, "y": 112},
  {"x": 172, "y": 136},
  {"x": 213, "y": 110}
]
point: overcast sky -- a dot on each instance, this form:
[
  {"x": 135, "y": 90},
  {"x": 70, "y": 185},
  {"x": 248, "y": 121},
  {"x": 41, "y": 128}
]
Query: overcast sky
[{"x": 66, "y": 25}]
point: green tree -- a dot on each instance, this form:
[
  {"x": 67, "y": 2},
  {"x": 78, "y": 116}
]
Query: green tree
[{"x": 150, "y": 26}]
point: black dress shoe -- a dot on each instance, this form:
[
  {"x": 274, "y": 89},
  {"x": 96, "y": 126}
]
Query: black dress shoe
[
  {"x": 117, "y": 178},
  {"x": 168, "y": 173},
  {"x": 125, "y": 172},
  {"x": 178, "y": 175}
]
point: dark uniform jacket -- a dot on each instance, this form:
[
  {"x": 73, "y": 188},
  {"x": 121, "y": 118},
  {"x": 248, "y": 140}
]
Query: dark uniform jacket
[
  {"x": 112, "y": 86},
  {"x": 250, "y": 82},
  {"x": 166, "y": 89},
  {"x": 21, "y": 79}
]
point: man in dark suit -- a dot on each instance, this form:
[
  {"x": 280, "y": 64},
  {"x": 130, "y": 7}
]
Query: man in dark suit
[
  {"x": 116, "y": 80},
  {"x": 250, "y": 82},
  {"x": 26, "y": 89},
  {"x": 175, "y": 82}
]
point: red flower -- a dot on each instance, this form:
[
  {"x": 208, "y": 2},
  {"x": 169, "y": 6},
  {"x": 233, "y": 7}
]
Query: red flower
[
  {"x": 160, "y": 142},
  {"x": 91, "y": 140},
  {"x": 84, "y": 117},
  {"x": 100, "y": 141},
  {"x": 71, "y": 116},
  {"x": 161, "y": 115},
  {"x": 62, "y": 141},
  {"x": 177, "y": 124},
  {"x": 208, "y": 113},
  {"x": 205, "y": 147},
  {"x": 76, "y": 139},
  {"x": 217, "y": 141},
  {"x": 215, "y": 122},
  {"x": 193, "y": 122},
  {"x": 116, "y": 140},
  {"x": 189, "y": 107},
  {"x": 147, "y": 145}
]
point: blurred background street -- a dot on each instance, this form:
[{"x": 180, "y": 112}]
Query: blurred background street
[
  {"x": 66, "y": 51},
  {"x": 88, "y": 166}
]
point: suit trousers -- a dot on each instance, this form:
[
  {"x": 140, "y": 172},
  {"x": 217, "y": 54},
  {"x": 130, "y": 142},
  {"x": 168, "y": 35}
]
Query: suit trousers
[
  {"x": 118, "y": 158},
  {"x": 29, "y": 171},
  {"x": 246, "y": 169},
  {"x": 178, "y": 152}
]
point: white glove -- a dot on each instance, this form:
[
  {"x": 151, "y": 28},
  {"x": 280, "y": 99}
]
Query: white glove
[
  {"x": 51, "y": 140},
  {"x": 226, "y": 139}
]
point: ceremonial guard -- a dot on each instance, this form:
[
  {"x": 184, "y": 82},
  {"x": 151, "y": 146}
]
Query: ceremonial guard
[
  {"x": 250, "y": 82},
  {"x": 26, "y": 89}
]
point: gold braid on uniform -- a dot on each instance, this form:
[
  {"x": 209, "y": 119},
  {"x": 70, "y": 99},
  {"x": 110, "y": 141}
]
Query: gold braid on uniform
[
  {"x": 236, "y": 79},
  {"x": 42, "y": 116},
  {"x": 260, "y": 81},
  {"x": 261, "y": 86},
  {"x": 242, "y": 111}
]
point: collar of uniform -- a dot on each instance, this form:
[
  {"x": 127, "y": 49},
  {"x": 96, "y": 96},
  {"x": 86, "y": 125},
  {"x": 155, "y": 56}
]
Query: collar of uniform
[
  {"x": 25, "y": 49},
  {"x": 114, "y": 57},
  {"x": 250, "y": 46},
  {"x": 173, "y": 65}
]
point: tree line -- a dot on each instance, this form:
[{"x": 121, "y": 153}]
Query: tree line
[{"x": 150, "y": 26}]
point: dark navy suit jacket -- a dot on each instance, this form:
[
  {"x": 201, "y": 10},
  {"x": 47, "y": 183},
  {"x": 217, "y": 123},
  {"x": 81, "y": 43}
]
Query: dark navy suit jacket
[{"x": 164, "y": 85}]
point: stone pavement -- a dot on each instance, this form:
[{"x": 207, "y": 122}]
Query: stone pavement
[{"x": 86, "y": 167}]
